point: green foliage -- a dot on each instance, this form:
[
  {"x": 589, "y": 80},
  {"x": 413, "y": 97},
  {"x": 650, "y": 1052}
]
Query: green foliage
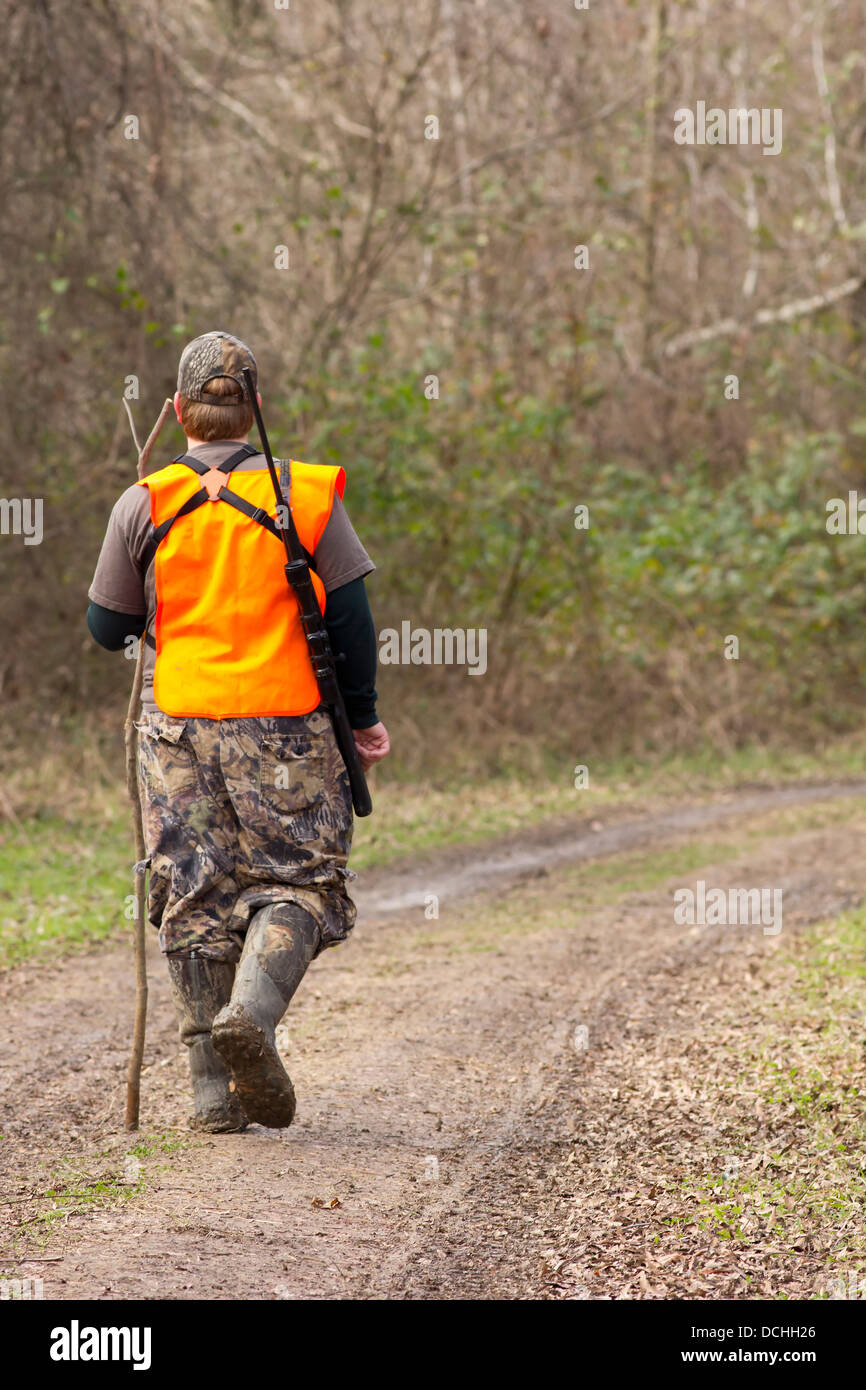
[
  {"x": 467, "y": 502},
  {"x": 450, "y": 493},
  {"x": 59, "y": 890}
]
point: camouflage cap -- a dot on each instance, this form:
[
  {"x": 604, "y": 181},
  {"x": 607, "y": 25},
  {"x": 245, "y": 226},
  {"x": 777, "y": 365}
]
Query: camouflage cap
[{"x": 211, "y": 355}]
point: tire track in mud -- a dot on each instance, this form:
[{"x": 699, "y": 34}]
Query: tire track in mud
[
  {"x": 416, "y": 1045},
  {"x": 522, "y": 1208},
  {"x": 487, "y": 867}
]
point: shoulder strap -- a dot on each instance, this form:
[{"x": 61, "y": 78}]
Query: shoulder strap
[
  {"x": 160, "y": 532},
  {"x": 286, "y": 480},
  {"x": 241, "y": 504},
  {"x": 257, "y": 514},
  {"x": 286, "y": 490},
  {"x": 244, "y": 452}
]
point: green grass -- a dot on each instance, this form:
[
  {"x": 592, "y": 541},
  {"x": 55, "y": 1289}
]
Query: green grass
[
  {"x": 805, "y": 1067},
  {"x": 584, "y": 886},
  {"x": 792, "y": 1182},
  {"x": 169, "y": 1143},
  {"x": 72, "y": 1190},
  {"x": 414, "y": 819},
  {"x": 65, "y": 879},
  {"x": 62, "y": 885}
]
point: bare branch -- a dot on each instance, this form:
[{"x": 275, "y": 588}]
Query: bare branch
[
  {"x": 795, "y": 309},
  {"x": 834, "y": 191},
  {"x": 237, "y": 108},
  {"x": 144, "y": 454},
  {"x": 132, "y": 427}
]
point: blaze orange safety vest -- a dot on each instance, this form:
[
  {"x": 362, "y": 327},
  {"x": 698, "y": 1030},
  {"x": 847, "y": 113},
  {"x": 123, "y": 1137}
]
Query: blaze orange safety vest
[{"x": 229, "y": 641}]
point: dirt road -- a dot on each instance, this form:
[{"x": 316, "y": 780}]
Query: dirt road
[{"x": 475, "y": 1115}]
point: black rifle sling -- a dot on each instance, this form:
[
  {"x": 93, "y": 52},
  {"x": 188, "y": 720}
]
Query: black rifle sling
[
  {"x": 299, "y": 578},
  {"x": 192, "y": 503},
  {"x": 257, "y": 514},
  {"x": 263, "y": 517},
  {"x": 299, "y": 550}
]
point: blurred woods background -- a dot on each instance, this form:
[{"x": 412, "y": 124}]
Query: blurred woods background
[{"x": 306, "y": 128}]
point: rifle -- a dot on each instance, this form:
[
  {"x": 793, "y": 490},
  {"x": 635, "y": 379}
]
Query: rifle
[{"x": 318, "y": 643}]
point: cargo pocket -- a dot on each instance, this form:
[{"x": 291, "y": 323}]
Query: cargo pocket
[
  {"x": 167, "y": 760},
  {"x": 339, "y": 912},
  {"x": 291, "y": 785}
]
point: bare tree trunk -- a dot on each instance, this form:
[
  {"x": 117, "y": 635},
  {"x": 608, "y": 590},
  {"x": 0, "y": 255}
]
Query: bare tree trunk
[
  {"x": 458, "y": 112},
  {"x": 655, "y": 40}
]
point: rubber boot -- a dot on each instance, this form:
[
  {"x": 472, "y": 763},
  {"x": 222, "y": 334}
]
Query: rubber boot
[
  {"x": 200, "y": 987},
  {"x": 281, "y": 941}
]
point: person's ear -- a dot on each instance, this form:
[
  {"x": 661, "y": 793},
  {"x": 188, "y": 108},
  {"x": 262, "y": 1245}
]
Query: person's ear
[
  {"x": 177, "y": 405},
  {"x": 259, "y": 399}
]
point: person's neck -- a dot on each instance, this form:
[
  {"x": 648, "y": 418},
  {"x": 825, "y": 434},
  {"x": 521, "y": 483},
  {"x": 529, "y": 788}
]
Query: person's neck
[{"x": 202, "y": 443}]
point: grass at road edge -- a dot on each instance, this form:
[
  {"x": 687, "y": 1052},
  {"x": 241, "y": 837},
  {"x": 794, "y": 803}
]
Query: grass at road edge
[
  {"x": 799, "y": 1072},
  {"x": 51, "y": 1202},
  {"x": 66, "y": 882}
]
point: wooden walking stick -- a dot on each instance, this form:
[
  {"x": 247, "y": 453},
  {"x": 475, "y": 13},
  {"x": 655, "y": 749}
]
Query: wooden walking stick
[{"x": 130, "y": 740}]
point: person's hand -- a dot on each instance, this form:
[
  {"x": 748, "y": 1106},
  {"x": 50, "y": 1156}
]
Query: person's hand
[{"x": 372, "y": 744}]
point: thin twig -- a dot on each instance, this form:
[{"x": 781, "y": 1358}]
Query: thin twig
[
  {"x": 132, "y": 426},
  {"x": 144, "y": 454}
]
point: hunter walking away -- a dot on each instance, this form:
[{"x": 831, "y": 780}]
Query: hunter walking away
[{"x": 252, "y": 740}]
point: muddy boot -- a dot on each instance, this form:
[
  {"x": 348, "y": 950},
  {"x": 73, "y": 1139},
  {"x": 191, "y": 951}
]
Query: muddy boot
[
  {"x": 281, "y": 941},
  {"x": 200, "y": 987}
]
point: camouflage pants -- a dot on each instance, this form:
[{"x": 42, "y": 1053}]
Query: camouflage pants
[{"x": 239, "y": 813}]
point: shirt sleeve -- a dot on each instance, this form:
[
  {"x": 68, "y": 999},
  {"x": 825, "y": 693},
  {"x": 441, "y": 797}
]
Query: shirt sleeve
[
  {"x": 340, "y": 557},
  {"x": 118, "y": 582},
  {"x": 110, "y": 629},
  {"x": 353, "y": 641}
]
